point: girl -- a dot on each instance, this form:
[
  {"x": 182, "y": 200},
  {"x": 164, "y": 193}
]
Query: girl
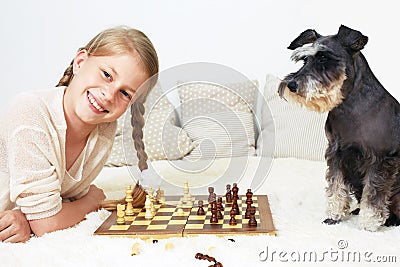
[{"x": 54, "y": 143}]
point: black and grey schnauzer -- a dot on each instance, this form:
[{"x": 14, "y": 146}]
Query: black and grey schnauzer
[{"x": 363, "y": 125}]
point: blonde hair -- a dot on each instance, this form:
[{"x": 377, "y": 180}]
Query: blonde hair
[{"x": 121, "y": 40}]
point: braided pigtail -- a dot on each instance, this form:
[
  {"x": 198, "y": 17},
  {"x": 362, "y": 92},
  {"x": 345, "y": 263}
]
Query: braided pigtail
[
  {"x": 67, "y": 77},
  {"x": 137, "y": 122}
]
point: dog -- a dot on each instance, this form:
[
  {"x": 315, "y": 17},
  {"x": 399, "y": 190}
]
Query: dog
[{"x": 362, "y": 126}]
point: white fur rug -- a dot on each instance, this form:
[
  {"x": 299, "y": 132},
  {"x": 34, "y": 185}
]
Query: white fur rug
[{"x": 296, "y": 193}]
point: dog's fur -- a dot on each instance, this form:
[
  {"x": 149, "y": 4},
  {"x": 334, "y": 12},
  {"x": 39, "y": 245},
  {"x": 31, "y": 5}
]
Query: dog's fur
[{"x": 363, "y": 124}]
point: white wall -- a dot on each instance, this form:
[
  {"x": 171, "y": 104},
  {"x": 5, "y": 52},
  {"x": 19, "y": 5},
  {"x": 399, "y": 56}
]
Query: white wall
[{"x": 39, "y": 38}]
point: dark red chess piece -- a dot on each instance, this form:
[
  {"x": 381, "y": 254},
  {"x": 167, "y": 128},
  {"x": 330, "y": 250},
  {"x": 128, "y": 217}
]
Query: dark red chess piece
[
  {"x": 201, "y": 211},
  {"x": 228, "y": 195},
  {"x": 214, "y": 211},
  {"x": 249, "y": 202},
  {"x": 252, "y": 220},
  {"x": 232, "y": 220}
]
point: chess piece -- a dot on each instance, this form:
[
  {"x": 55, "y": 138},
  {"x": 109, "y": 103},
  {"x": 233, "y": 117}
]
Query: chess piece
[
  {"x": 120, "y": 214},
  {"x": 219, "y": 202},
  {"x": 219, "y": 208},
  {"x": 228, "y": 195},
  {"x": 249, "y": 202},
  {"x": 252, "y": 220},
  {"x": 129, "y": 199},
  {"x": 201, "y": 211},
  {"x": 161, "y": 196},
  {"x": 210, "y": 191},
  {"x": 235, "y": 190},
  {"x": 232, "y": 220},
  {"x": 179, "y": 211},
  {"x": 214, "y": 218},
  {"x": 235, "y": 206},
  {"x": 147, "y": 204}
]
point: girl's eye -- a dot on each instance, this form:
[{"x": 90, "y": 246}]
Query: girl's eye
[
  {"x": 107, "y": 75},
  {"x": 126, "y": 94}
]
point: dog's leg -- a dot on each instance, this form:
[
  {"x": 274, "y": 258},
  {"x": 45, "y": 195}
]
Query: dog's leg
[
  {"x": 337, "y": 191},
  {"x": 374, "y": 206},
  {"x": 338, "y": 196}
]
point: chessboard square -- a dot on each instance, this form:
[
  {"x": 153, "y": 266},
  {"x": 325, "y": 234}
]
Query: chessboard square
[
  {"x": 219, "y": 222},
  {"x": 157, "y": 227},
  {"x": 119, "y": 227},
  {"x": 129, "y": 218},
  {"x": 194, "y": 226},
  {"x": 177, "y": 222},
  {"x": 142, "y": 222},
  {"x": 185, "y": 213},
  {"x": 197, "y": 217},
  {"x": 161, "y": 218},
  {"x": 141, "y": 214},
  {"x": 227, "y": 226},
  {"x": 166, "y": 209}
]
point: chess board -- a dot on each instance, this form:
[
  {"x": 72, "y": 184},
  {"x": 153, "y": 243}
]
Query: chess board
[{"x": 168, "y": 223}]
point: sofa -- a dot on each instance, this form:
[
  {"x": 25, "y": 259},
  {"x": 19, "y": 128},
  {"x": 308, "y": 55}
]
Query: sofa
[{"x": 211, "y": 132}]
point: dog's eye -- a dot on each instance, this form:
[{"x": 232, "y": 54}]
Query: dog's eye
[{"x": 321, "y": 59}]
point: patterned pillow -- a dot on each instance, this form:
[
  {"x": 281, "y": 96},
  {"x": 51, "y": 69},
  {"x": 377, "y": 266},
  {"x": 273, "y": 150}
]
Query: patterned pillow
[
  {"x": 292, "y": 130},
  {"x": 162, "y": 138},
  {"x": 218, "y": 118}
]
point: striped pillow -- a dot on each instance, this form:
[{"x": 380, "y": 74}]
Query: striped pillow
[
  {"x": 218, "y": 118},
  {"x": 291, "y": 129}
]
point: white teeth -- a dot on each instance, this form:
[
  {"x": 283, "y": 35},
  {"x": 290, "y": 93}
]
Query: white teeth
[{"x": 95, "y": 104}]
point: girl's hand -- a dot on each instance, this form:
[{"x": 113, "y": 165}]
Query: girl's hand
[
  {"x": 95, "y": 196},
  {"x": 14, "y": 227}
]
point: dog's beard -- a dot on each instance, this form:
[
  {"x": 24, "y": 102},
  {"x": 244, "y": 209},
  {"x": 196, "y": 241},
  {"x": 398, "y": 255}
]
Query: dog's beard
[{"x": 314, "y": 96}]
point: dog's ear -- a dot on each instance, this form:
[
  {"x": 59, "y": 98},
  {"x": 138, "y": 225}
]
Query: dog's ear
[
  {"x": 351, "y": 38},
  {"x": 306, "y": 37}
]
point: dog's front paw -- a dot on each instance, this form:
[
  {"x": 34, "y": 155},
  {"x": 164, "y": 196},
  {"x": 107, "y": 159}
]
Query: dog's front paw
[
  {"x": 370, "y": 219},
  {"x": 330, "y": 221}
]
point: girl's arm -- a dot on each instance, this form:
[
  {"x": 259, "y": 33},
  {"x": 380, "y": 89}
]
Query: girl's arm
[{"x": 70, "y": 214}]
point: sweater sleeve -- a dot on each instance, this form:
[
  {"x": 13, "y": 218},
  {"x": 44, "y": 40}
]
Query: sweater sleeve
[{"x": 34, "y": 183}]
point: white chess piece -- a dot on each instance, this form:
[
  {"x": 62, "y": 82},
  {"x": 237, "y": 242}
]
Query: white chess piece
[{"x": 147, "y": 205}]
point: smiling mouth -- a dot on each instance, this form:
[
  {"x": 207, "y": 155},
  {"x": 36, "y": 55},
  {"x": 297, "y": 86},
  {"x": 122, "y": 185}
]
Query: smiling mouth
[{"x": 95, "y": 104}]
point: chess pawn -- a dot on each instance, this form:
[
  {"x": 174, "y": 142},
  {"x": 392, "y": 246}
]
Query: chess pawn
[
  {"x": 120, "y": 214},
  {"x": 129, "y": 199},
  {"x": 219, "y": 202},
  {"x": 201, "y": 211},
  {"x": 235, "y": 190},
  {"x": 219, "y": 213},
  {"x": 252, "y": 220},
  {"x": 232, "y": 221},
  {"x": 179, "y": 210},
  {"x": 147, "y": 205}
]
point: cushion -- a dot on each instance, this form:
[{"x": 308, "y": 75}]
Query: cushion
[
  {"x": 218, "y": 118},
  {"x": 292, "y": 130},
  {"x": 163, "y": 139}
]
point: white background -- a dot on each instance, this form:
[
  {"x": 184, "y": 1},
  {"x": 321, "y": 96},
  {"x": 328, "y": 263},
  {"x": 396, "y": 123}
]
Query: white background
[{"x": 39, "y": 38}]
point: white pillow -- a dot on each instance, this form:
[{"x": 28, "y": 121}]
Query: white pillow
[
  {"x": 292, "y": 130},
  {"x": 218, "y": 118}
]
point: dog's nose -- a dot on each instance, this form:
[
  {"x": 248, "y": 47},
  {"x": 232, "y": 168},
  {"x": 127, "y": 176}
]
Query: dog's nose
[{"x": 292, "y": 85}]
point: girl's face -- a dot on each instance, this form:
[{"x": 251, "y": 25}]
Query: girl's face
[{"x": 102, "y": 87}]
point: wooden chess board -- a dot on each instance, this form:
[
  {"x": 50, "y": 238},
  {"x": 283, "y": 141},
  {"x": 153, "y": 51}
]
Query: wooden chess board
[{"x": 167, "y": 223}]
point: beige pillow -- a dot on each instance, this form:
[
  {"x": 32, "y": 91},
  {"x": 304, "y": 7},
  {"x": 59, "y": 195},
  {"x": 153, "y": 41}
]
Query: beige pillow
[
  {"x": 218, "y": 118},
  {"x": 291, "y": 129},
  {"x": 162, "y": 138}
]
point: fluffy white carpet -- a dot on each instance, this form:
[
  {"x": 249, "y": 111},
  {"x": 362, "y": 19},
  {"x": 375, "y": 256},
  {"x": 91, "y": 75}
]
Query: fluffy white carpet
[{"x": 296, "y": 193}]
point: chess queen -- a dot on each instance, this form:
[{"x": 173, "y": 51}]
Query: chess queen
[{"x": 53, "y": 143}]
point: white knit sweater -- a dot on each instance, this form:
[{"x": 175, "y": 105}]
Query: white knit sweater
[{"x": 33, "y": 174}]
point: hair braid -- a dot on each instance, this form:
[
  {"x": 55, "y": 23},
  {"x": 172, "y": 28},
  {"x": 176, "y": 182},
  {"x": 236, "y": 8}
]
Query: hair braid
[
  {"x": 137, "y": 122},
  {"x": 67, "y": 77}
]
